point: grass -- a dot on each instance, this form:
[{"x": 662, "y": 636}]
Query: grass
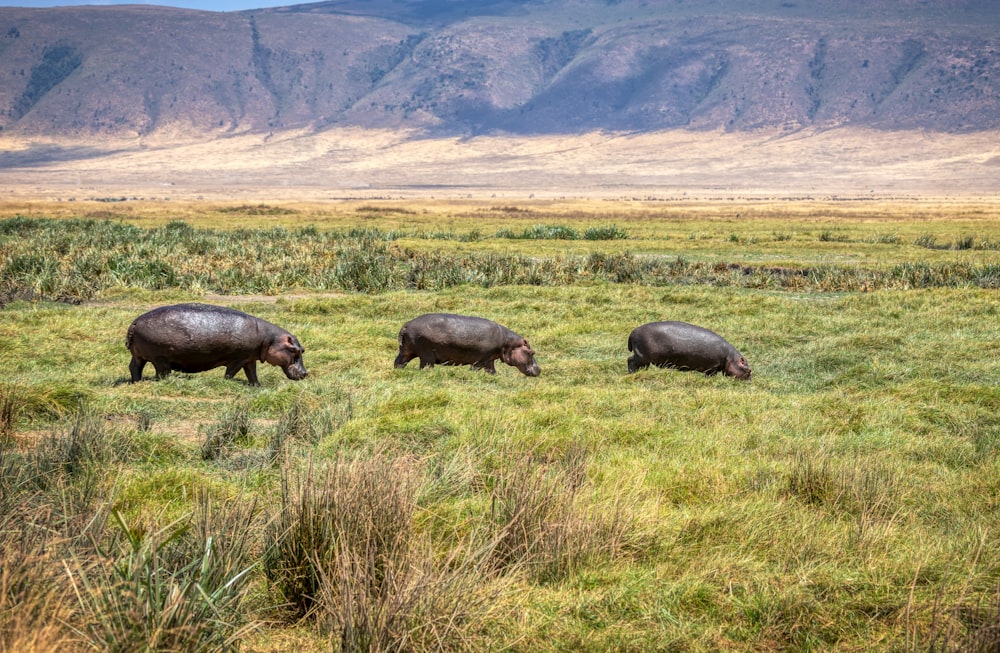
[{"x": 845, "y": 499}]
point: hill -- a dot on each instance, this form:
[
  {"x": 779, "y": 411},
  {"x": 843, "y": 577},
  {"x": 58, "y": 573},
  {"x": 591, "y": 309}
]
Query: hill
[{"x": 520, "y": 67}]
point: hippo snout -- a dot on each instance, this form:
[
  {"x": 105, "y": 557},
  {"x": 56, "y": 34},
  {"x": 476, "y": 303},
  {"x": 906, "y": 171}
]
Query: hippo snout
[
  {"x": 532, "y": 370},
  {"x": 296, "y": 372}
]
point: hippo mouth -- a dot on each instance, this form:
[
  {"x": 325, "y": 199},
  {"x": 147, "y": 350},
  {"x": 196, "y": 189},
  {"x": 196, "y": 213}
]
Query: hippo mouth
[{"x": 296, "y": 373}]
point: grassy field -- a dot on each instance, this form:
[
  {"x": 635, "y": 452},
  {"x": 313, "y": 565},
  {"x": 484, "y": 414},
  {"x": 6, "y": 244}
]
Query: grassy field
[{"x": 845, "y": 499}]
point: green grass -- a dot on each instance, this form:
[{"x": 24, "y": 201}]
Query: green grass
[{"x": 845, "y": 499}]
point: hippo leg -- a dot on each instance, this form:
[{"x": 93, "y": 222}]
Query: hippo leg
[
  {"x": 250, "y": 369},
  {"x": 428, "y": 360},
  {"x": 403, "y": 358},
  {"x": 162, "y": 368},
  {"x": 486, "y": 364},
  {"x": 135, "y": 369}
]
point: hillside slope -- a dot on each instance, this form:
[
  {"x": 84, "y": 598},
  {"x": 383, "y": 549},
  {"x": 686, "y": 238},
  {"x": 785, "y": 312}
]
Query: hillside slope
[{"x": 525, "y": 67}]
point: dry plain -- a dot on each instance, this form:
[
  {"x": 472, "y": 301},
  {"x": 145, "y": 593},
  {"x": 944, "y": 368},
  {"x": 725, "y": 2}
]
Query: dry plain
[{"x": 336, "y": 163}]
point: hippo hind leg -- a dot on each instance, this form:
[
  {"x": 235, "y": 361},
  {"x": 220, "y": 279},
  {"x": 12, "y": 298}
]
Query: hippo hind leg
[
  {"x": 406, "y": 351},
  {"x": 135, "y": 368},
  {"x": 404, "y": 357}
]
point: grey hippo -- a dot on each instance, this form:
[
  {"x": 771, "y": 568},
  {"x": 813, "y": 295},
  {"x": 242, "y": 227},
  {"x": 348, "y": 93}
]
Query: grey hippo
[
  {"x": 200, "y": 337},
  {"x": 463, "y": 340},
  {"x": 685, "y": 347}
]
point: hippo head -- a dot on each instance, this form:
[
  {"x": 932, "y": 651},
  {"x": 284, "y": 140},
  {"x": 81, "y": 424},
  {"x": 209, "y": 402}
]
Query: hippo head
[
  {"x": 286, "y": 352},
  {"x": 737, "y": 366},
  {"x": 521, "y": 356}
]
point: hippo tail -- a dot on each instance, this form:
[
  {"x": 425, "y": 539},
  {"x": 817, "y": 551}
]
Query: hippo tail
[{"x": 128, "y": 336}]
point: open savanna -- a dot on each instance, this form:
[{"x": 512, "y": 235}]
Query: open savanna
[{"x": 844, "y": 499}]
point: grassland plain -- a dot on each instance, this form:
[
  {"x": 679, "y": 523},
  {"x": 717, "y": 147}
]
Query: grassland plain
[{"x": 845, "y": 499}]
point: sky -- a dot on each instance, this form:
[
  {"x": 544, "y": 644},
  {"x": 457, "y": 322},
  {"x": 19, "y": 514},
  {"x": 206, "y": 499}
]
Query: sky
[{"x": 207, "y": 5}]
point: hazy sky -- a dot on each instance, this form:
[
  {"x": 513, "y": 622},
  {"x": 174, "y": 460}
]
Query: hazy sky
[{"x": 207, "y": 5}]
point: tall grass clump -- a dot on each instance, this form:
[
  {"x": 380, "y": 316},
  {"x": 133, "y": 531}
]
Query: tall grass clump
[
  {"x": 610, "y": 232},
  {"x": 363, "y": 503},
  {"x": 86, "y": 444},
  {"x": 35, "y": 602},
  {"x": 232, "y": 429},
  {"x": 364, "y": 265},
  {"x": 179, "y": 587},
  {"x": 305, "y": 422},
  {"x": 542, "y": 232},
  {"x": 541, "y": 521},
  {"x": 563, "y": 232},
  {"x": 345, "y": 550},
  {"x": 10, "y": 407},
  {"x": 962, "y": 625},
  {"x": 868, "y": 491},
  {"x": 966, "y": 242}
]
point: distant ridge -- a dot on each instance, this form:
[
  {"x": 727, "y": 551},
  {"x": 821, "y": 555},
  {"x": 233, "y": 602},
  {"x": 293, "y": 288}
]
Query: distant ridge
[{"x": 521, "y": 67}]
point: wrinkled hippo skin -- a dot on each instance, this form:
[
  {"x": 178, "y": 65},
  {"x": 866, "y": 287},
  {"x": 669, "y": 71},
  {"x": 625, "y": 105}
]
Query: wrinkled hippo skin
[
  {"x": 462, "y": 340},
  {"x": 685, "y": 347},
  {"x": 200, "y": 337}
]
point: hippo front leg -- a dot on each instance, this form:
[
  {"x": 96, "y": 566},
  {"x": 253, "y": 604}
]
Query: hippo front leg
[
  {"x": 486, "y": 365},
  {"x": 162, "y": 368},
  {"x": 250, "y": 369}
]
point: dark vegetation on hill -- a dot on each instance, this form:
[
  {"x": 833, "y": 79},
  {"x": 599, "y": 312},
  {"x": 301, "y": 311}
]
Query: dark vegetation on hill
[{"x": 515, "y": 66}]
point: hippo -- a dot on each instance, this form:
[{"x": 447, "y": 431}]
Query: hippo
[
  {"x": 199, "y": 337},
  {"x": 463, "y": 340},
  {"x": 685, "y": 347}
]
